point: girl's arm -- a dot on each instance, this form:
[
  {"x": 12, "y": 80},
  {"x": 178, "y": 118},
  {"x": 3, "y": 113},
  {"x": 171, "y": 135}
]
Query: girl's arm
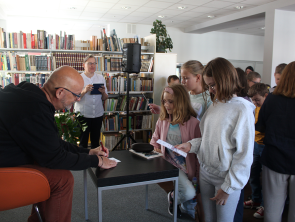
[
  {"x": 156, "y": 136},
  {"x": 191, "y": 146},
  {"x": 243, "y": 137}
]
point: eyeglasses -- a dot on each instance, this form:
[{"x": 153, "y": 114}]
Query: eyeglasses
[
  {"x": 254, "y": 82},
  {"x": 211, "y": 87},
  {"x": 91, "y": 63},
  {"x": 77, "y": 95}
]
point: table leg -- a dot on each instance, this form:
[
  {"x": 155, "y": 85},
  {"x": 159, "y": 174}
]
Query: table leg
[
  {"x": 175, "y": 199},
  {"x": 99, "y": 203},
  {"x": 146, "y": 197},
  {"x": 85, "y": 194}
]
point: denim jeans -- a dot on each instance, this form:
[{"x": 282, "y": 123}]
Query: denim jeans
[{"x": 256, "y": 169}]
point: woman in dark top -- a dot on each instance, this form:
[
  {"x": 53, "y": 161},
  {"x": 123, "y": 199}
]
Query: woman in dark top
[{"x": 277, "y": 120}]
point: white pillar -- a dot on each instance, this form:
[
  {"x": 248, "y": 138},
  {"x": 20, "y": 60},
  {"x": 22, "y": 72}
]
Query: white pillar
[{"x": 279, "y": 44}]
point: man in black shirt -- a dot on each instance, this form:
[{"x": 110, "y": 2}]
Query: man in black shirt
[{"x": 29, "y": 137}]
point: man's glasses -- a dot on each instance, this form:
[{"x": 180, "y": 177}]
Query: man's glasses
[
  {"x": 77, "y": 95},
  {"x": 254, "y": 82},
  {"x": 91, "y": 63}
]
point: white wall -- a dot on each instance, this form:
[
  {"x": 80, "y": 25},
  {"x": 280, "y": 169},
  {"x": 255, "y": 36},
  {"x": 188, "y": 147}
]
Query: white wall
[
  {"x": 202, "y": 47},
  {"x": 279, "y": 42}
]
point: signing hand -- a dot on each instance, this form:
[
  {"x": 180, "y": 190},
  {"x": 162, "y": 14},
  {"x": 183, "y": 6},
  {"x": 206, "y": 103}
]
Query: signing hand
[
  {"x": 155, "y": 109},
  {"x": 220, "y": 198},
  {"x": 106, "y": 163},
  {"x": 185, "y": 147},
  {"x": 99, "y": 151}
]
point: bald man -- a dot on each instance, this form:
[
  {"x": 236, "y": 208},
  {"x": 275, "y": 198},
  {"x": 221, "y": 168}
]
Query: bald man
[{"x": 29, "y": 138}]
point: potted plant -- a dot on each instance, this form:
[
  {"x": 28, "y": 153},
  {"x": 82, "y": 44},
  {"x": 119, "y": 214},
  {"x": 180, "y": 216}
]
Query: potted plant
[
  {"x": 69, "y": 125},
  {"x": 163, "y": 40}
]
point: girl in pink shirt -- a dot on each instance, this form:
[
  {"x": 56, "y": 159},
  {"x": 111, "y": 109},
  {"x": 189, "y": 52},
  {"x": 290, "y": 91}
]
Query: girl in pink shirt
[{"x": 177, "y": 124}]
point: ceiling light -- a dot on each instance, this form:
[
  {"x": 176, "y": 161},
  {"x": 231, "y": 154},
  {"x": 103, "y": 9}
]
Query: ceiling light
[
  {"x": 211, "y": 16},
  {"x": 72, "y": 8},
  {"x": 181, "y": 7},
  {"x": 262, "y": 28},
  {"x": 161, "y": 16},
  {"x": 239, "y": 7},
  {"x": 126, "y": 7}
]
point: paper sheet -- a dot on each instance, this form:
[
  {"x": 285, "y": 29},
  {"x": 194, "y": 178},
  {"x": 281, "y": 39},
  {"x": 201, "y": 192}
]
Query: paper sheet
[
  {"x": 112, "y": 158},
  {"x": 169, "y": 146}
]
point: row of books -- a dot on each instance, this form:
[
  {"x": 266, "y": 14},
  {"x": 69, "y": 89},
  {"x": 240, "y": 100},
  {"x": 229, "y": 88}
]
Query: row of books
[
  {"x": 42, "y": 62},
  {"x": 120, "y": 103},
  {"x": 119, "y": 83},
  {"x": 108, "y": 63},
  {"x": 37, "y": 78},
  {"x": 110, "y": 140},
  {"x": 74, "y": 60},
  {"x": 28, "y": 62},
  {"x": 41, "y": 40},
  {"x": 118, "y": 122}
]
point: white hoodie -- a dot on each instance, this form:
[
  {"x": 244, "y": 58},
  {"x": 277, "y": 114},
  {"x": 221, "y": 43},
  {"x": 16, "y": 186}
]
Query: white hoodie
[{"x": 226, "y": 146}]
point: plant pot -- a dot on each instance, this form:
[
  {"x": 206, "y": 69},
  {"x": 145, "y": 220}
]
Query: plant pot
[{"x": 161, "y": 49}]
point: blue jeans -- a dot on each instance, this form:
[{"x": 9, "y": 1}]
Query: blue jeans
[{"x": 256, "y": 169}]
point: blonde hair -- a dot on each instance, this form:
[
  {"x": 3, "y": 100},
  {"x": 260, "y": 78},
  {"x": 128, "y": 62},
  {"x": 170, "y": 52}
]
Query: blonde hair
[
  {"x": 194, "y": 67},
  {"x": 226, "y": 79},
  {"x": 183, "y": 109},
  {"x": 286, "y": 87}
]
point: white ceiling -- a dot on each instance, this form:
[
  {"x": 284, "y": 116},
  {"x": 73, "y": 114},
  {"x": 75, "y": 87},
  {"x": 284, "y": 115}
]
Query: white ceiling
[{"x": 140, "y": 11}]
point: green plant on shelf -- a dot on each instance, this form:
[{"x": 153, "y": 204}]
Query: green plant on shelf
[
  {"x": 163, "y": 40},
  {"x": 69, "y": 125}
]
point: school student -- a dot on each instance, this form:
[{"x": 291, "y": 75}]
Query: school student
[
  {"x": 276, "y": 119},
  {"x": 277, "y": 75},
  {"x": 258, "y": 94},
  {"x": 173, "y": 79},
  {"x": 225, "y": 150},
  {"x": 191, "y": 78},
  {"x": 253, "y": 78},
  {"x": 177, "y": 124}
]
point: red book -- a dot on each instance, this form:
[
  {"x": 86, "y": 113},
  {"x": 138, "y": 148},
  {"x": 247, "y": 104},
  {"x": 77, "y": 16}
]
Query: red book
[
  {"x": 32, "y": 41},
  {"x": 16, "y": 79},
  {"x": 25, "y": 40}
]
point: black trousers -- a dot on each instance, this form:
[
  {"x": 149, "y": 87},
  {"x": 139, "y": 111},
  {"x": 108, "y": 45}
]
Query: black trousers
[{"x": 94, "y": 126}]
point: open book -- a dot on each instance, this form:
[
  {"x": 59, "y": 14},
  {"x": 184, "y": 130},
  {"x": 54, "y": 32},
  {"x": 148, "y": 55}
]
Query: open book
[{"x": 150, "y": 155}]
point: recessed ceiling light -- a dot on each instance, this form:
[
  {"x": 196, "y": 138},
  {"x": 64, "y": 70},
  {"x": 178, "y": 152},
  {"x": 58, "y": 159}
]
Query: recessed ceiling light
[
  {"x": 161, "y": 16},
  {"x": 211, "y": 16},
  {"x": 72, "y": 8},
  {"x": 181, "y": 7},
  {"x": 126, "y": 7},
  {"x": 239, "y": 7},
  {"x": 262, "y": 28}
]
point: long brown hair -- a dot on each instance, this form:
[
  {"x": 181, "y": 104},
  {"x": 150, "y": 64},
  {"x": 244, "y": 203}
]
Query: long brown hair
[
  {"x": 286, "y": 86},
  {"x": 226, "y": 79},
  {"x": 183, "y": 109}
]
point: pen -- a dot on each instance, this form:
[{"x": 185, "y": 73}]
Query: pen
[
  {"x": 103, "y": 149},
  {"x": 147, "y": 101}
]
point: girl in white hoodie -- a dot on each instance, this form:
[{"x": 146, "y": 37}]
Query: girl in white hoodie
[{"x": 225, "y": 150}]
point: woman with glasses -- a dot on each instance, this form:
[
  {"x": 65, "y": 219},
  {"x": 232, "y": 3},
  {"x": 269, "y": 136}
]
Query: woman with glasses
[
  {"x": 91, "y": 105},
  {"x": 225, "y": 150}
]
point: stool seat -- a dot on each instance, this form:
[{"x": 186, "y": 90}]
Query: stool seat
[{"x": 20, "y": 186}]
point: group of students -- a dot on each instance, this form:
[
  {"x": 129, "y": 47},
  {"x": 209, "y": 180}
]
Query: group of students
[{"x": 211, "y": 116}]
